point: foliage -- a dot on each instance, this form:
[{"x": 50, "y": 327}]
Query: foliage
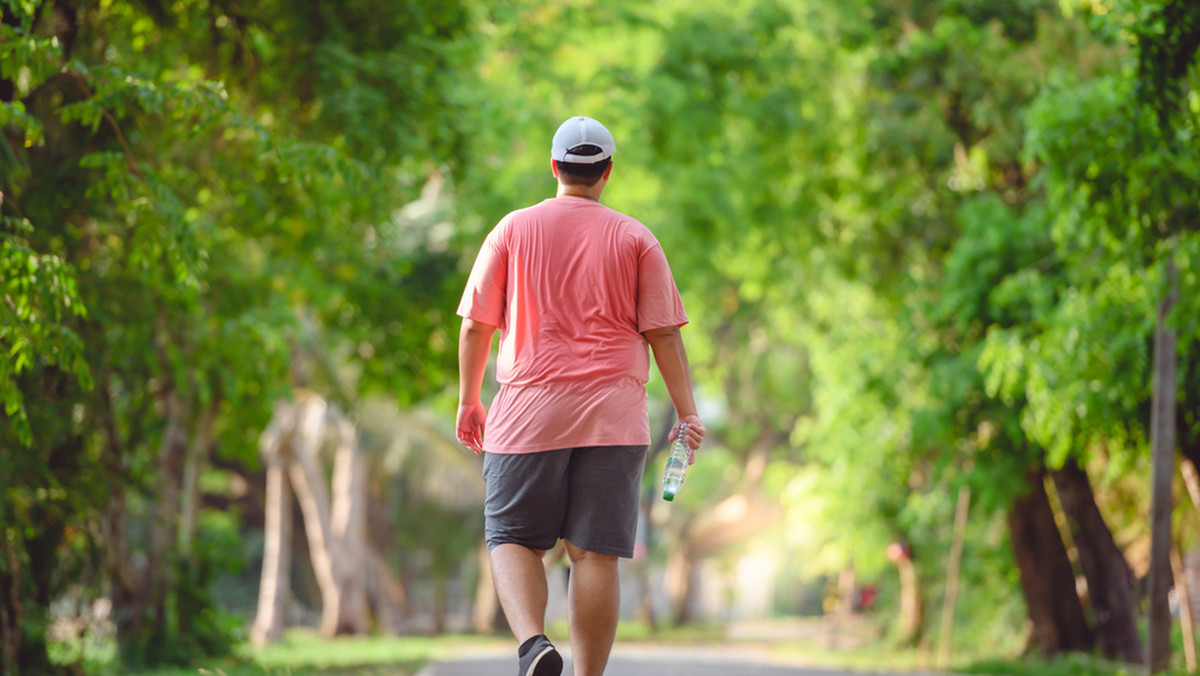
[
  {"x": 195, "y": 199},
  {"x": 921, "y": 244},
  {"x": 1119, "y": 203}
]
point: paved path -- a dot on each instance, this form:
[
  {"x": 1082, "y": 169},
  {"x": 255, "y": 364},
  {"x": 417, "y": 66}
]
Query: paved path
[{"x": 648, "y": 661}]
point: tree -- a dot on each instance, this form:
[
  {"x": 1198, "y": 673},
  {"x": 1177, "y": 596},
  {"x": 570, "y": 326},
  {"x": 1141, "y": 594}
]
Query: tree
[
  {"x": 961, "y": 254},
  {"x": 1125, "y": 202},
  {"x": 1110, "y": 583},
  {"x": 198, "y": 187},
  {"x": 923, "y": 245},
  {"x": 1056, "y": 615},
  {"x": 334, "y": 511}
]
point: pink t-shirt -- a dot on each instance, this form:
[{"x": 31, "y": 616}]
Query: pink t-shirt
[{"x": 572, "y": 285}]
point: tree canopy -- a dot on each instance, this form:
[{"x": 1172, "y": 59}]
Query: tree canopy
[{"x": 922, "y": 245}]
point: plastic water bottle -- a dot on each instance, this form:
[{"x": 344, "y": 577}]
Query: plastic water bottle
[{"x": 677, "y": 464}]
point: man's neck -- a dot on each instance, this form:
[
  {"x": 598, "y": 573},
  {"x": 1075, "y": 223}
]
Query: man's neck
[{"x": 586, "y": 192}]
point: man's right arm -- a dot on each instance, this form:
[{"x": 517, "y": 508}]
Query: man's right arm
[
  {"x": 671, "y": 359},
  {"x": 474, "y": 347}
]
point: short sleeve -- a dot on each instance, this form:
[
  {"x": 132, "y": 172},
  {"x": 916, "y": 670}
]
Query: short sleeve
[
  {"x": 484, "y": 300},
  {"x": 659, "y": 304}
]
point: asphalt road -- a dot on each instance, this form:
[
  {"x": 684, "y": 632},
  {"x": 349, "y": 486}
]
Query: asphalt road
[{"x": 649, "y": 662}]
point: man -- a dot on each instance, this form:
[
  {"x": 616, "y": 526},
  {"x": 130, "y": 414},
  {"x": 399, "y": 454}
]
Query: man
[{"x": 578, "y": 291}]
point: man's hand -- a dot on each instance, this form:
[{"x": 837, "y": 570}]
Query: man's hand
[
  {"x": 694, "y": 436},
  {"x": 469, "y": 425}
]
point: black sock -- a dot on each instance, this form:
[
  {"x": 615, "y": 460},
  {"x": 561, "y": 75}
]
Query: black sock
[{"x": 527, "y": 645}]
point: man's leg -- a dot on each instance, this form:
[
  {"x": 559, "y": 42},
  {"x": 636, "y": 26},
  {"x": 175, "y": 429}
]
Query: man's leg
[
  {"x": 594, "y": 600},
  {"x": 520, "y": 581}
]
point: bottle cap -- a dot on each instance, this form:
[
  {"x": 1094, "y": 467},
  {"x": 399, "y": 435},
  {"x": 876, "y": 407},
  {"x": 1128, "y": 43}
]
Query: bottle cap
[{"x": 668, "y": 496}]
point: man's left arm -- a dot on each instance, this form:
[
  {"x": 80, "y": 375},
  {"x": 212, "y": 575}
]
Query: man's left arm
[{"x": 671, "y": 359}]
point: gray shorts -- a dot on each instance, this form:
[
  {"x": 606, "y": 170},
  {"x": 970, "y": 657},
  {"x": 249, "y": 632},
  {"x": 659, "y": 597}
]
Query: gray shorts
[{"x": 588, "y": 495}]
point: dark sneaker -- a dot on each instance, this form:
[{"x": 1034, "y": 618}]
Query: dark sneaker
[{"x": 537, "y": 657}]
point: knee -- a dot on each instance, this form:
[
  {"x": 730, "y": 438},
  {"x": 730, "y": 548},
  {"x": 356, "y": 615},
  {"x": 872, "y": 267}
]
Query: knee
[{"x": 578, "y": 554}]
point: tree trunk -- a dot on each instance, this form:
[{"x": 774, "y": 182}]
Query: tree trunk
[
  {"x": 439, "y": 602},
  {"x": 846, "y": 584},
  {"x": 386, "y": 596},
  {"x": 195, "y": 461},
  {"x": 10, "y": 608},
  {"x": 953, "y": 569},
  {"x": 335, "y": 529},
  {"x": 159, "y": 575},
  {"x": 119, "y": 567},
  {"x": 271, "y": 617},
  {"x": 334, "y": 532},
  {"x": 1162, "y": 441},
  {"x": 1057, "y": 622},
  {"x": 1110, "y": 583},
  {"x": 309, "y": 486},
  {"x": 348, "y": 526},
  {"x": 912, "y": 606}
]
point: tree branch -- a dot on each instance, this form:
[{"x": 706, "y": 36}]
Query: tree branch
[{"x": 78, "y": 78}]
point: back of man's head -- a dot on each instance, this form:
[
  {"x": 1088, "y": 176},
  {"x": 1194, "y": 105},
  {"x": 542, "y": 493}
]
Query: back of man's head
[
  {"x": 571, "y": 173},
  {"x": 582, "y": 150}
]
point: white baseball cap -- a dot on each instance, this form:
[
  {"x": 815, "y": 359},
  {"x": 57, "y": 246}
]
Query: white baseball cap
[{"x": 573, "y": 137}]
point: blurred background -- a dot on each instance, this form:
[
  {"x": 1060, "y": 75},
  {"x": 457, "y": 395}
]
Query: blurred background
[{"x": 937, "y": 256}]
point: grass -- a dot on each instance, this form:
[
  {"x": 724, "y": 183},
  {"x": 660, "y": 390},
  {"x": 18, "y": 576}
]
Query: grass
[
  {"x": 861, "y": 647},
  {"x": 1068, "y": 665},
  {"x": 1065, "y": 666},
  {"x": 310, "y": 650},
  {"x": 303, "y": 652},
  {"x": 871, "y": 659}
]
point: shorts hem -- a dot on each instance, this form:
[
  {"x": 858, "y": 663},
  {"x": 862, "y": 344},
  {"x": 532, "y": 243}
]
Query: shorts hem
[
  {"x": 493, "y": 543},
  {"x": 626, "y": 553},
  {"x": 622, "y": 553}
]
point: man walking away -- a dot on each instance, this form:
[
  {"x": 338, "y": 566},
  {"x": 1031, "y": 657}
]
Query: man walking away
[{"x": 578, "y": 292}]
